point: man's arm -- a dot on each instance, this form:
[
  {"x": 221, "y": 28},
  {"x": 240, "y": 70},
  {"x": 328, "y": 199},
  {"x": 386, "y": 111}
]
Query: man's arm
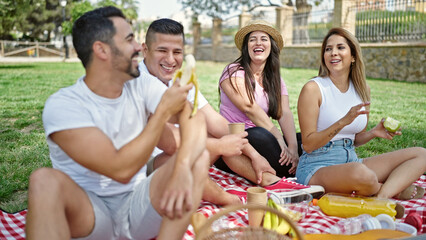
[
  {"x": 91, "y": 148},
  {"x": 217, "y": 125}
]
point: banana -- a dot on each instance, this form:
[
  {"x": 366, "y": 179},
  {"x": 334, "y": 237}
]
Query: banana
[
  {"x": 186, "y": 76},
  {"x": 278, "y": 224},
  {"x": 283, "y": 228},
  {"x": 293, "y": 215},
  {"x": 267, "y": 220},
  {"x": 274, "y": 217}
]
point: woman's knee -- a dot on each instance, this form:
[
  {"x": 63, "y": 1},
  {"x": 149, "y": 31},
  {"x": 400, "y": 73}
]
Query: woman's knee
[
  {"x": 420, "y": 152},
  {"x": 365, "y": 179}
]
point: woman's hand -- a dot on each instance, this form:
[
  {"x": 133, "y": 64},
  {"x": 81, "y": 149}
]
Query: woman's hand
[
  {"x": 380, "y": 131},
  {"x": 354, "y": 112},
  {"x": 294, "y": 156},
  {"x": 285, "y": 155}
]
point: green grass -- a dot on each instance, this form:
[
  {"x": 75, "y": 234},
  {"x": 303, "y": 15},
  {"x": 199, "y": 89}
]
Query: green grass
[{"x": 25, "y": 87}]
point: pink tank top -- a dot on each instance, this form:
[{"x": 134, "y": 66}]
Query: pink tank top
[{"x": 229, "y": 111}]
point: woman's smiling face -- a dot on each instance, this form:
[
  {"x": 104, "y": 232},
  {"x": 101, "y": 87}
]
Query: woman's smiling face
[
  {"x": 337, "y": 54},
  {"x": 259, "y": 46}
]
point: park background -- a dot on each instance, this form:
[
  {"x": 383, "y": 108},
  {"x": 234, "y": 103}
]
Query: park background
[{"x": 37, "y": 58}]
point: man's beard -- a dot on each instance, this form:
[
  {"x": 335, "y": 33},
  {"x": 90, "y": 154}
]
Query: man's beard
[{"x": 133, "y": 72}]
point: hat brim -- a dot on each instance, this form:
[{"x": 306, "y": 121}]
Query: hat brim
[{"x": 239, "y": 36}]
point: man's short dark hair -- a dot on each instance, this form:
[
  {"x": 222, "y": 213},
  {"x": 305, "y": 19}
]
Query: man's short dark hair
[
  {"x": 92, "y": 26},
  {"x": 163, "y": 26}
]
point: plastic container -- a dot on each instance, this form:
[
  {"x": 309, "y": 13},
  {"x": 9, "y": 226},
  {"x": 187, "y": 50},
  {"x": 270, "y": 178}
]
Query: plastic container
[
  {"x": 404, "y": 227},
  {"x": 355, "y": 225},
  {"x": 296, "y": 201},
  {"x": 342, "y": 205}
]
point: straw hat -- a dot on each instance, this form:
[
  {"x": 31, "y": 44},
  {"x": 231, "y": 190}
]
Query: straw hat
[{"x": 258, "y": 25}]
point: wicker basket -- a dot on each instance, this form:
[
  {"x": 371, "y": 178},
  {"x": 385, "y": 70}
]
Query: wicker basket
[{"x": 245, "y": 233}]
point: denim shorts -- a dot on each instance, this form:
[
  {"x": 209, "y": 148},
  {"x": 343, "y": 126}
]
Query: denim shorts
[{"x": 333, "y": 153}]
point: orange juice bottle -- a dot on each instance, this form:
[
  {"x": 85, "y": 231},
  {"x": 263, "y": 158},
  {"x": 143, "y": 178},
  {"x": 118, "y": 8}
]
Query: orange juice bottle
[{"x": 343, "y": 205}]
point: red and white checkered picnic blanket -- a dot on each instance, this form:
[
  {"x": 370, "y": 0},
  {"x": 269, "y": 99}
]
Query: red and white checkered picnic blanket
[
  {"x": 315, "y": 220},
  {"x": 12, "y": 225}
]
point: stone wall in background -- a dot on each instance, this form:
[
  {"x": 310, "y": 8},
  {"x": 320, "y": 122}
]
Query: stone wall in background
[{"x": 397, "y": 61}]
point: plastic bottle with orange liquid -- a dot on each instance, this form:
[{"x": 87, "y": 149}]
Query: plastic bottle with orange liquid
[{"x": 344, "y": 205}]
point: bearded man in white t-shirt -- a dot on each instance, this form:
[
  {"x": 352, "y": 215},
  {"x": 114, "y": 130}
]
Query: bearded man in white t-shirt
[{"x": 100, "y": 140}]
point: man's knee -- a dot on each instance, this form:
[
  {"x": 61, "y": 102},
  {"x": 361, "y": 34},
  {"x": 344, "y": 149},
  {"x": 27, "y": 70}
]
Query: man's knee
[{"x": 44, "y": 181}]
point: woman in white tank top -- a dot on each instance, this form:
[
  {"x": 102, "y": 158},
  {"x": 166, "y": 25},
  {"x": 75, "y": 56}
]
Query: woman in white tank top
[{"x": 333, "y": 111}]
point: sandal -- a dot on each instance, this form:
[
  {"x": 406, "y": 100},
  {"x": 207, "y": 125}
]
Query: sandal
[{"x": 411, "y": 192}]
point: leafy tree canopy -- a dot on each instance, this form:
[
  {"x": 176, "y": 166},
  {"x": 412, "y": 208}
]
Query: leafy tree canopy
[
  {"x": 37, "y": 19},
  {"x": 222, "y": 9},
  {"x": 129, "y": 8}
]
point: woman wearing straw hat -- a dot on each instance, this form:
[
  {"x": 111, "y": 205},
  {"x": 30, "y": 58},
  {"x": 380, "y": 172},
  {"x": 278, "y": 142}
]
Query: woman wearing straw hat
[{"x": 252, "y": 91}]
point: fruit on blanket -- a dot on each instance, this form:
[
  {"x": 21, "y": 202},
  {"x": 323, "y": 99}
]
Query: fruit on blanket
[
  {"x": 274, "y": 217},
  {"x": 293, "y": 215},
  {"x": 283, "y": 228},
  {"x": 186, "y": 76},
  {"x": 344, "y": 205},
  {"x": 392, "y": 125},
  {"x": 273, "y": 221},
  {"x": 267, "y": 220}
]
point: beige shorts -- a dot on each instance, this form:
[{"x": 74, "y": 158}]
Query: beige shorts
[{"x": 125, "y": 216}]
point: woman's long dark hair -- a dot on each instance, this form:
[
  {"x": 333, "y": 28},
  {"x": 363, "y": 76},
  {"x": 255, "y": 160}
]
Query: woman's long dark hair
[{"x": 271, "y": 78}]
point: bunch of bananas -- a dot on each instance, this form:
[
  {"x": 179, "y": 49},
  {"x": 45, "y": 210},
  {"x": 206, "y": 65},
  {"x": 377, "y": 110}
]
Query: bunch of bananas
[
  {"x": 186, "y": 76},
  {"x": 274, "y": 222}
]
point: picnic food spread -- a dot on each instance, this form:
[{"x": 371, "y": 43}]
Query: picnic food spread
[
  {"x": 274, "y": 222},
  {"x": 186, "y": 76}
]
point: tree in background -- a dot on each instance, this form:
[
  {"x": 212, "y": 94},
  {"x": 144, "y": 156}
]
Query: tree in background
[
  {"x": 11, "y": 11},
  {"x": 217, "y": 9},
  {"x": 78, "y": 8},
  {"x": 35, "y": 20},
  {"x": 221, "y": 9},
  {"x": 41, "y": 19}
]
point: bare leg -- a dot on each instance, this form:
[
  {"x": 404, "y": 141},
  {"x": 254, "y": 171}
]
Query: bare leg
[
  {"x": 241, "y": 165},
  {"x": 191, "y": 154},
  {"x": 397, "y": 170},
  {"x": 212, "y": 192},
  {"x": 216, "y": 195},
  {"x": 346, "y": 178},
  {"x": 57, "y": 207},
  {"x": 175, "y": 228}
]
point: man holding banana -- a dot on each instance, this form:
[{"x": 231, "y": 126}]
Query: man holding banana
[
  {"x": 163, "y": 52},
  {"x": 100, "y": 140}
]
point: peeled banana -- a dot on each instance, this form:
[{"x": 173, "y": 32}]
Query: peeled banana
[
  {"x": 186, "y": 76},
  {"x": 293, "y": 215}
]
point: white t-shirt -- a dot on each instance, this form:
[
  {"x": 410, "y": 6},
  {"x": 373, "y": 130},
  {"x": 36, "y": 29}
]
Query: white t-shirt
[
  {"x": 121, "y": 119},
  {"x": 335, "y": 105},
  {"x": 202, "y": 101}
]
